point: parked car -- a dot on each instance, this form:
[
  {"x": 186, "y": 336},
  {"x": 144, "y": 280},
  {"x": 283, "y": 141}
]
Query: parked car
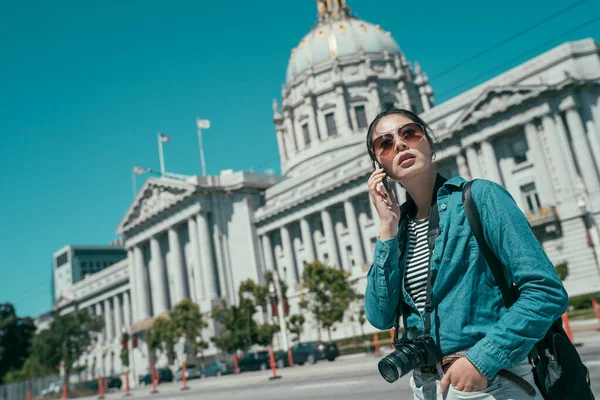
[
  {"x": 164, "y": 375},
  {"x": 254, "y": 361},
  {"x": 218, "y": 368},
  {"x": 191, "y": 372},
  {"x": 309, "y": 352},
  {"x": 109, "y": 382},
  {"x": 52, "y": 390}
]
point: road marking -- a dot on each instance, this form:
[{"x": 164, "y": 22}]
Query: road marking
[
  {"x": 327, "y": 385},
  {"x": 592, "y": 363}
]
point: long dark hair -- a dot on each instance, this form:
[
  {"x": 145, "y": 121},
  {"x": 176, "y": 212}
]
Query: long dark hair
[{"x": 395, "y": 111}]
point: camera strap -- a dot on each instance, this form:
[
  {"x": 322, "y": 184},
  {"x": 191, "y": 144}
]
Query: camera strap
[{"x": 432, "y": 233}]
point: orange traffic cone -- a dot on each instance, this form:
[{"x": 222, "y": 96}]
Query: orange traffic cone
[
  {"x": 567, "y": 326},
  {"x": 273, "y": 366}
]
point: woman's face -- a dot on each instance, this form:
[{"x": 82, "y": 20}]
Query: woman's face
[{"x": 401, "y": 147}]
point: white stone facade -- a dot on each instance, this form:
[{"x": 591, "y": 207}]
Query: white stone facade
[{"x": 535, "y": 129}]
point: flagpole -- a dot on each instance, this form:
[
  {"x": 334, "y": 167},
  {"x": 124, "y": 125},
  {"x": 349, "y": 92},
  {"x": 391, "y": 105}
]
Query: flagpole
[
  {"x": 160, "y": 154},
  {"x": 201, "y": 147},
  {"x": 133, "y": 180}
]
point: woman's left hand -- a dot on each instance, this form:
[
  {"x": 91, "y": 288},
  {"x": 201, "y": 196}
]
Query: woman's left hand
[{"x": 463, "y": 376}]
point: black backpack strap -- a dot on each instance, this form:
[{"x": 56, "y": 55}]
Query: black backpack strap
[{"x": 493, "y": 262}]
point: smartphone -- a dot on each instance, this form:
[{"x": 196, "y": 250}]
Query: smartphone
[{"x": 385, "y": 181}]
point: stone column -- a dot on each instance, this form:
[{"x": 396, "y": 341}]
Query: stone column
[
  {"x": 473, "y": 160},
  {"x": 329, "y": 232},
  {"x": 209, "y": 276},
  {"x": 489, "y": 158},
  {"x": 374, "y": 99},
  {"x": 595, "y": 111},
  {"x": 540, "y": 165},
  {"x": 281, "y": 145},
  {"x": 177, "y": 267},
  {"x": 307, "y": 240},
  {"x": 288, "y": 124},
  {"x": 374, "y": 213},
  {"x": 126, "y": 304},
  {"x": 366, "y": 236},
  {"x": 297, "y": 136},
  {"x": 143, "y": 298},
  {"x": 134, "y": 280},
  {"x": 195, "y": 260},
  {"x": 157, "y": 276},
  {"x": 507, "y": 164},
  {"x": 268, "y": 252},
  {"x": 354, "y": 232},
  {"x": 341, "y": 112},
  {"x": 101, "y": 335},
  {"x": 108, "y": 320},
  {"x": 118, "y": 319},
  {"x": 288, "y": 251},
  {"x": 582, "y": 150},
  {"x": 560, "y": 157},
  {"x": 315, "y": 123},
  {"x": 463, "y": 167},
  {"x": 219, "y": 258}
]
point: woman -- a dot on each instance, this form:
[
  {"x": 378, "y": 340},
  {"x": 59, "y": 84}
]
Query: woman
[{"x": 468, "y": 317}]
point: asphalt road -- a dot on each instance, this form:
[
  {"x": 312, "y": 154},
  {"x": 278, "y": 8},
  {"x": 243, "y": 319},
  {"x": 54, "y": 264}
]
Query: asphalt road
[{"x": 348, "y": 378}]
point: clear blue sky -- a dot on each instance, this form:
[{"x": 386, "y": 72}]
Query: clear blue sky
[{"x": 84, "y": 87}]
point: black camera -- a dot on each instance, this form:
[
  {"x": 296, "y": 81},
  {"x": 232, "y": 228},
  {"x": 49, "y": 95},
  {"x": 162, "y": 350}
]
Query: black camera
[{"x": 422, "y": 351}]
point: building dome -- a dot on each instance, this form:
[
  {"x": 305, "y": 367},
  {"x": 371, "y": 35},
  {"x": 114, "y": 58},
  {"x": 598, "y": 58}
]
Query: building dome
[
  {"x": 342, "y": 72},
  {"x": 342, "y": 37}
]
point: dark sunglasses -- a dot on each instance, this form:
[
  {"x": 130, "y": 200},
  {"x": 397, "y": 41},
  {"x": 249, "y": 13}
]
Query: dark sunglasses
[{"x": 411, "y": 134}]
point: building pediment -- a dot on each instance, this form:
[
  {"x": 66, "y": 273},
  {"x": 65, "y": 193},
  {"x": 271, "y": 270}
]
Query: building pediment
[
  {"x": 495, "y": 100},
  {"x": 327, "y": 106},
  {"x": 156, "y": 196},
  {"x": 359, "y": 97}
]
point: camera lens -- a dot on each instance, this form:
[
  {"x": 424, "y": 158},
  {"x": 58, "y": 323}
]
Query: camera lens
[
  {"x": 388, "y": 370},
  {"x": 399, "y": 363}
]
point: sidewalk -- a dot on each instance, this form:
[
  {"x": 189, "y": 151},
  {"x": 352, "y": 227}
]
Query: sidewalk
[{"x": 584, "y": 325}]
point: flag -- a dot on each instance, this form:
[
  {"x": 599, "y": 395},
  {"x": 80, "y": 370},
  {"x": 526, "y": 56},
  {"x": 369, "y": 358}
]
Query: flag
[
  {"x": 164, "y": 138},
  {"x": 202, "y": 123},
  {"x": 138, "y": 170}
]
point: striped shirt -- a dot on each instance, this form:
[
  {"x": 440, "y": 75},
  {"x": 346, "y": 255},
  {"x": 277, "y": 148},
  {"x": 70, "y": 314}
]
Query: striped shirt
[{"x": 417, "y": 261}]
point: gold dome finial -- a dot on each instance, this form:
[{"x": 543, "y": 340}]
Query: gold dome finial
[{"x": 332, "y": 9}]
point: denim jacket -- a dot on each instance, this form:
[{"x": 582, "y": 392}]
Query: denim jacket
[{"x": 468, "y": 310}]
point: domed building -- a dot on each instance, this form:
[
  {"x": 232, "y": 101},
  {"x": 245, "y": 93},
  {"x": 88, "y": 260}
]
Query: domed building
[
  {"x": 338, "y": 76},
  {"x": 535, "y": 129}
]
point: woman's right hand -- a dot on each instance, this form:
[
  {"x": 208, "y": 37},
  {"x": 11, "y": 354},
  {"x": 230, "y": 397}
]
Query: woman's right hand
[{"x": 386, "y": 205}]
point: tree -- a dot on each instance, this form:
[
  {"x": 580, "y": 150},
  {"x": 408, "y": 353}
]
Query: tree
[
  {"x": 295, "y": 325},
  {"x": 161, "y": 336},
  {"x": 16, "y": 335},
  {"x": 188, "y": 323},
  {"x": 65, "y": 340},
  {"x": 329, "y": 294},
  {"x": 239, "y": 330},
  {"x": 562, "y": 270},
  {"x": 33, "y": 367},
  {"x": 235, "y": 333},
  {"x": 125, "y": 350}
]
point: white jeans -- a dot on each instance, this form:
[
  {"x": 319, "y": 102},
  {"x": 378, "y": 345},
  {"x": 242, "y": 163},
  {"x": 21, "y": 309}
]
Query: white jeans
[{"x": 427, "y": 387}]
